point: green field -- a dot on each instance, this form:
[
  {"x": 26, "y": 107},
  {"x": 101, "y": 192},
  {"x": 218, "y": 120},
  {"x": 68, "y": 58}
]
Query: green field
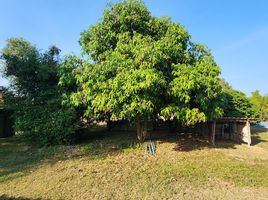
[{"x": 116, "y": 167}]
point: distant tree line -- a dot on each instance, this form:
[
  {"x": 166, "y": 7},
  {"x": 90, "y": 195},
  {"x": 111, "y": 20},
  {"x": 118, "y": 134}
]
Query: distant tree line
[
  {"x": 134, "y": 67},
  {"x": 260, "y": 104},
  {"x": 237, "y": 104}
]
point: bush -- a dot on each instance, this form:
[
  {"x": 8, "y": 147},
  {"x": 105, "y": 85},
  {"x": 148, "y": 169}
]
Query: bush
[
  {"x": 36, "y": 97},
  {"x": 45, "y": 122},
  {"x": 236, "y": 104}
]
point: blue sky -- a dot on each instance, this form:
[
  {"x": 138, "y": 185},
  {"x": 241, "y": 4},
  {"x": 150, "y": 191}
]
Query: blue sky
[{"x": 236, "y": 31}]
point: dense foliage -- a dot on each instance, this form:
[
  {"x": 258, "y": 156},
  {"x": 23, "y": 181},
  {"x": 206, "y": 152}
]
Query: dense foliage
[
  {"x": 135, "y": 67},
  {"x": 141, "y": 67},
  {"x": 37, "y": 98},
  {"x": 260, "y": 103},
  {"x": 236, "y": 104}
]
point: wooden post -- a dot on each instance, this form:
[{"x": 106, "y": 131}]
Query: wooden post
[
  {"x": 139, "y": 129},
  {"x": 235, "y": 128},
  {"x": 248, "y": 133},
  {"x": 235, "y": 132},
  {"x": 203, "y": 130},
  {"x": 213, "y": 133},
  {"x": 145, "y": 129},
  {"x": 210, "y": 127},
  {"x": 230, "y": 130},
  {"x": 222, "y": 131}
]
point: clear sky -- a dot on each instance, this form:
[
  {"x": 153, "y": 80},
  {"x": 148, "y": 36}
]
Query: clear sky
[{"x": 235, "y": 30}]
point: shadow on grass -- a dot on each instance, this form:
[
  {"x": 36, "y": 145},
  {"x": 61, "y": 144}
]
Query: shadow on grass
[
  {"x": 111, "y": 144},
  {"x": 18, "y": 158},
  {"x": 255, "y": 134},
  {"x": 256, "y": 139},
  {"x": 187, "y": 142},
  {"x": 6, "y": 197},
  {"x": 114, "y": 143}
]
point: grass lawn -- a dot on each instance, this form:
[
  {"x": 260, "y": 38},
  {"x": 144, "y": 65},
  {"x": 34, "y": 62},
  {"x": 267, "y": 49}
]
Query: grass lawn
[{"x": 115, "y": 167}]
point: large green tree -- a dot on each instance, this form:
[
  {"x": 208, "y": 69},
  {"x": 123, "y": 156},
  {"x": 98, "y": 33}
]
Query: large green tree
[
  {"x": 140, "y": 67},
  {"x": 37, "y": 98}
]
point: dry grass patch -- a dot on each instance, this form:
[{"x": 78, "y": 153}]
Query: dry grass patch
[{"x": 118, "y": 168}]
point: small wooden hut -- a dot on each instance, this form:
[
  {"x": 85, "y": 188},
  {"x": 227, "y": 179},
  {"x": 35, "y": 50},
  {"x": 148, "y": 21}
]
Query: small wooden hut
[{"x": 236, "y": 129}]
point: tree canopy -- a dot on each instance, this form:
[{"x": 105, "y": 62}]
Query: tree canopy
[
  {"x": 37, "y": 98},
  {"x": 140, "y": 66},
  {"x": 30, "y": 70},
  {"x": 134, "y": 66},
  {"x": 260, "y": 103},
  {"x": 236, "y": 104}
]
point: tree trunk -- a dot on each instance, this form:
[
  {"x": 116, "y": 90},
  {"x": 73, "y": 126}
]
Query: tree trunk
[
  {"x": 145, "y": 128},
  {"x": 142, "y": 129},
  {"x": 109, "y": 125},
  {"x": 139, "y": 131}
]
